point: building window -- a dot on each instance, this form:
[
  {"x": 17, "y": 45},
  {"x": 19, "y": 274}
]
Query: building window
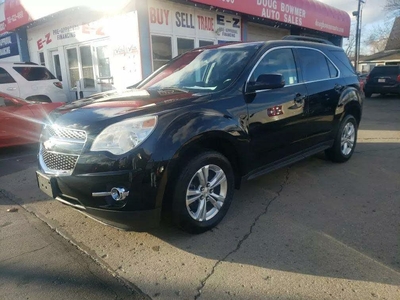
[
  {"x": 87, "y": 66},
  {"x": 203, "y": 43},
  {"x": 184, "y": 45},
  {"x": 73, "y": 65},
  {"x": 103, "y": 61},
  {"x": 162, "y": 50},
  {"x": 41, "y": 59}
]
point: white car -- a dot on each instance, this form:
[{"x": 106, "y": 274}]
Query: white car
[{"x": 31, "y": 82}]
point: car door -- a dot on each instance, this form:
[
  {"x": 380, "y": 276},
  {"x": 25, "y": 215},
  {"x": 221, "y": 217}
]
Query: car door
[
  {"x": 17, "y": 123},
  {"x": 7, "y": 83},
  {"x": 324, "y": 87},
  {"x": 277, "y": 116}
]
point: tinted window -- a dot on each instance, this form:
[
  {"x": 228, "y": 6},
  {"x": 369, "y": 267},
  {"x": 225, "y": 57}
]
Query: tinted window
[
  {"x": 332, "y": 70},
  {"x": 313, "y": 65},
  {"x": 377, "y": 71},
  {"x": 278, "y": 61},
  {"x": 5, "y": 77},
  {"x": 342, "y": 61},
  {"x": 34, "y": 73}
]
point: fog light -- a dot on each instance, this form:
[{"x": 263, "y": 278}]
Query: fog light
[{"x": 119, "y": 194}]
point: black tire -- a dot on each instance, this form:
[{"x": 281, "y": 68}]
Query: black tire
[
  {"x": 368, "y": 94},
  {"x": 180, "y": 211},
  {"x": 337, "y": 153}
]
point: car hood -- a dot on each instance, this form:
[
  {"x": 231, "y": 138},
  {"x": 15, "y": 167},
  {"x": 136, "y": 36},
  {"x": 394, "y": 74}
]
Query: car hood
[{"x": 116, "y": 104}]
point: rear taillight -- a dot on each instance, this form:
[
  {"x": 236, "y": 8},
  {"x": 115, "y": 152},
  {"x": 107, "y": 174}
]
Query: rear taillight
[
  {"x": 398, "y": 78},
  {"x": 361, "y": 84},
  {"x": 58, "y": 84}
]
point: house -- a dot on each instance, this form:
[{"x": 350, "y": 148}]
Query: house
[{"x": 391, "y": 54}]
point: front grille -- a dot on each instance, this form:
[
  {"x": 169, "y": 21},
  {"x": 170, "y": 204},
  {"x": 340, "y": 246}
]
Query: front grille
[
  {"x": 66, "y": 133},
  {"x": 57, "y": 161}
]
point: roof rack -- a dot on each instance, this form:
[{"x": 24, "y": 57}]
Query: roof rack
[
  {"x": 25, "y": 63},
  {"x": 307, "y": 39}
]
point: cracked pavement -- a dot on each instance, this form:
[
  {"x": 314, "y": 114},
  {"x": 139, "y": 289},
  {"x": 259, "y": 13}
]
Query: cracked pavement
[
  {"x": 316, "y": 230},
  {"x": 244, "y": 238}
]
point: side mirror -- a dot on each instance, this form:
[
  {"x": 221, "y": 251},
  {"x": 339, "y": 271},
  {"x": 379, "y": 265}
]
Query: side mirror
[{"x": 266, "y": 82}]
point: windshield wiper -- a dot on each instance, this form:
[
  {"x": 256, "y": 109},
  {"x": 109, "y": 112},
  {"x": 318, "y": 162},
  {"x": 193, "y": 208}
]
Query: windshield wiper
[{"x": 171, "y": 90}]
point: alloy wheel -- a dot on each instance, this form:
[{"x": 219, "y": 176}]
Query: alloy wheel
[
  {"x": 348, "y": 138},
  {"x": 206, "y": 193}
]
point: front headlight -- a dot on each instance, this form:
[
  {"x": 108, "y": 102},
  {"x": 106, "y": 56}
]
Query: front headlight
[{"x": 124, "y": 136}]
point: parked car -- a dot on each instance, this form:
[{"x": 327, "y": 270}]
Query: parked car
[
  {"x": 188, "y": 135},
  {"x": 31, "y": 82},
  {"x": 383, "y": 80},
  {"x": 21, "y": 121}
]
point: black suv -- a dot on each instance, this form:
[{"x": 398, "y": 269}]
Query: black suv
[
  {"x": 187, "y": 136},
  {"x": 383, "y": 80}
]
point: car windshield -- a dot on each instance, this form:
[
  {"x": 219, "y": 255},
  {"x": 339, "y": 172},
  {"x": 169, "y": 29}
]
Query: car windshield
[{"x": 202, "y": 70}]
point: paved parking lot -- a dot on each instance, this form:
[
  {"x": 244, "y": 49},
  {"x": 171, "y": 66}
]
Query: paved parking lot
[{"x": 315, "y": 230}]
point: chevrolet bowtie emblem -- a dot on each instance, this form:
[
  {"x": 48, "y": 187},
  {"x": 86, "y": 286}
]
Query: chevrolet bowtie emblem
[{"x": 49, "y": 144}]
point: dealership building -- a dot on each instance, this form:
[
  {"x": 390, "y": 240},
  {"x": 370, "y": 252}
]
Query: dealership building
[{"x": 113, "y": 45}]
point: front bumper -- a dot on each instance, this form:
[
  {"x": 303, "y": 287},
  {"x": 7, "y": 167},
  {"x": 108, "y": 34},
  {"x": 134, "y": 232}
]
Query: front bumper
[{"x": 137, "y": 212}]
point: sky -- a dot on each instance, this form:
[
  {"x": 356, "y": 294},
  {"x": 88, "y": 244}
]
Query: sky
[
  {"x": 372, "y": 10},
  {"x": 373, "y": 16}
]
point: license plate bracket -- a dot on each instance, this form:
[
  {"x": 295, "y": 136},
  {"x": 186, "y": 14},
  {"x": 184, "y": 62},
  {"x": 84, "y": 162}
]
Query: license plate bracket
[{"x": 47, "y": 185}]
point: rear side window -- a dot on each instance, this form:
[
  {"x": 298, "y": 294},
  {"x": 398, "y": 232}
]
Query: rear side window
[
  {"x": 314, "y": 65},
  {"x": 34, "y": 73},
  {"x": 378, "y": 71},
  {"x": 342, "y": 61},
  {"x": 5, "y": 77}
]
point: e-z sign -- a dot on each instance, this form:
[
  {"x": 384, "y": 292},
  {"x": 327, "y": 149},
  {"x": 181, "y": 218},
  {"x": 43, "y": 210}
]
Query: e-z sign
[{"x": 221, "y": 20}]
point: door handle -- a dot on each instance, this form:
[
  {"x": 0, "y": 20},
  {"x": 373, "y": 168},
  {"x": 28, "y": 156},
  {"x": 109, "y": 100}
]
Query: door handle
[
  {"x": 338, "y": 88},
  {"x": 299, "y": 99},
  {"x": 11, "y": 89}
]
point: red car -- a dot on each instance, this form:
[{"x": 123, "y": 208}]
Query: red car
[{"x": 21, "y": 120}]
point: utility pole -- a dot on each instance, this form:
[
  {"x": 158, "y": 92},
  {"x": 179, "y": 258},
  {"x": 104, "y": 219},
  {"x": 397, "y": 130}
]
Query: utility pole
[{"x": 358, "y": 33}]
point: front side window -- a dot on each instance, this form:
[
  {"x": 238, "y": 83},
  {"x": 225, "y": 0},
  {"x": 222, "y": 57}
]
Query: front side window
[
  {"x": 314, "y": 65},
  {"x": 34, "y": 73},
  {"x": 279, "y": 61},
  {"x": 5, "y": 77}
]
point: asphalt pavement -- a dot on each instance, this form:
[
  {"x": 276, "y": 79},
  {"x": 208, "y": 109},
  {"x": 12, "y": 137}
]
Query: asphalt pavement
[{"x": 36, "y": 262}]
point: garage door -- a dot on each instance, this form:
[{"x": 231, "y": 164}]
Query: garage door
[{"x": 257, "y": 32}]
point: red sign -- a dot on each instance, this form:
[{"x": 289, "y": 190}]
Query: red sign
[
  {"x": 45, "y": 41},
  {"x": 15, "y": 16},
  {"x": 304, "y": 13}
]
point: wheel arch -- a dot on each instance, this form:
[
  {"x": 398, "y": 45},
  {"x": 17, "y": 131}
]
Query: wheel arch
[
  {"x": 350, "y": 103},
  {"x": 40, "y": 98},
  {"x": 218, "y": 141}
]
